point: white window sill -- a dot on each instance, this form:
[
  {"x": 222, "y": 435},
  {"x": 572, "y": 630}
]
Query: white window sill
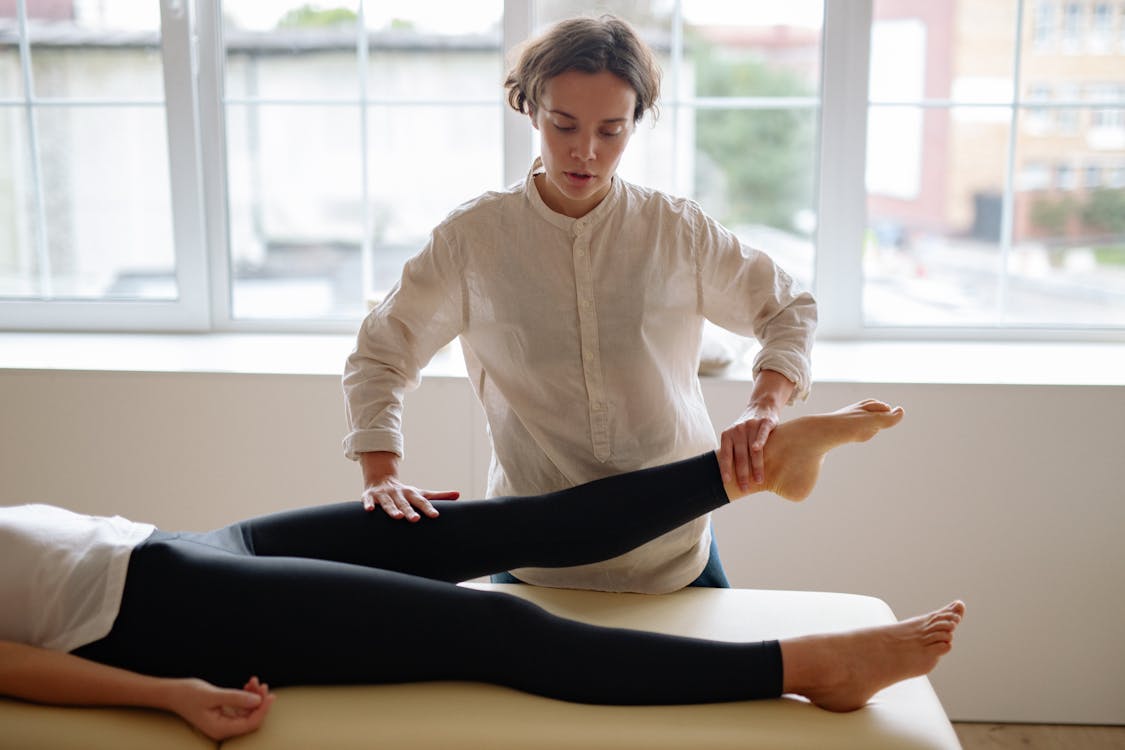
[{"x": 1019, "y": 363}]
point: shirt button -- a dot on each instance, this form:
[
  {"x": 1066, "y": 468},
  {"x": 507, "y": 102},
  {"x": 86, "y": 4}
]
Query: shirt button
[{"x": 589, "y": 356}]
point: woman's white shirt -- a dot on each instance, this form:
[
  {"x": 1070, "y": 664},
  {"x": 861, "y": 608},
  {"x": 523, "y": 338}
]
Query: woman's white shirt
[
  {"x": 581, "y": 338},
  {"x": 62, "y": 574}
]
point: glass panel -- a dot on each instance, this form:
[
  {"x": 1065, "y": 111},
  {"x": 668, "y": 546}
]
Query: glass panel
[
  {"x": 754, "y": 172},
  {"x": 753, "y": 49},
  {"x": 935, "y": 185},
  {"x": 106, "y": 187},
  {"x": 963, "y": 51},
  {"x": 291, "y": 50},
  {"x": 435, "y": 50},
  {"x": 11, "y": 76},
  {"x": 461, "y": 146},
  {"x": 96, "y": 49},
  {"x": 651, "y": 18},
  {"x": 1067, "y": 263},
  {"x": 19, "y": 268},
  {"x": 296, "y": 216}
]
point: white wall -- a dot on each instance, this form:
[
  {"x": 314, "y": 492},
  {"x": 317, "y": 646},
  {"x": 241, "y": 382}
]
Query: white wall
[{"x": 1009, "y": 497}]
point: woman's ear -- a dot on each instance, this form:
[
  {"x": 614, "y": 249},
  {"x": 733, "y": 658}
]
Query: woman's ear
[{"x": 531, "y": 114}]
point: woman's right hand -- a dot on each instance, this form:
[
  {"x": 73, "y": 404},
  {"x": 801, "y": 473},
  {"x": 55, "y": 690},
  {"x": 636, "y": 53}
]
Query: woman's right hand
[
  {"x": 400, "y": 500},
  {"x": 382, "y": 489}
]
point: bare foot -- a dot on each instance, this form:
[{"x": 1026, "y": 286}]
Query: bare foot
[
  {"x": 796, "y": 449},
  {"x": 841, "y": 671}
]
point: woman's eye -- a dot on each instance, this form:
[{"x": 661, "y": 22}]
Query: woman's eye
[
  {"x": 564, "y": 128},
  {"x": 612, "y": 134}
]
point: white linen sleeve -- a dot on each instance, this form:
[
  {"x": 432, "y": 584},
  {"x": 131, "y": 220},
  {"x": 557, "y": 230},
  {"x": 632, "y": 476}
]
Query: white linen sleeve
[
  {"x": 397, "y": 339},
  {"x": 743, "y": 290}
]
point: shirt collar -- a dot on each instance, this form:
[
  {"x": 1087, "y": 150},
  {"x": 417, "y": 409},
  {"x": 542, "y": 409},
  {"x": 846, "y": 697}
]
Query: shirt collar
[{"x": 561, "y": 221}]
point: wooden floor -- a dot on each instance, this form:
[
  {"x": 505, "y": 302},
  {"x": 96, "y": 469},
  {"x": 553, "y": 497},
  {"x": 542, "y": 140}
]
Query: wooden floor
[{"x": 1039, "y": 737}]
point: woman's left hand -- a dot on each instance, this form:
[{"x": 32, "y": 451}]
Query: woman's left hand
[{"x": 742, "y": 446}]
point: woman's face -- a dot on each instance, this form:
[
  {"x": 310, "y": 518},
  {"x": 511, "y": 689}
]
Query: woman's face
[{"x": 585, "y": 121}]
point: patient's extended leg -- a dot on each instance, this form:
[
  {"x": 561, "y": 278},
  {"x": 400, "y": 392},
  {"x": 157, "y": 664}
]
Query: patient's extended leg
[
  {"x": 841, "y": 671},
  {"x": 796, "y": 449}
]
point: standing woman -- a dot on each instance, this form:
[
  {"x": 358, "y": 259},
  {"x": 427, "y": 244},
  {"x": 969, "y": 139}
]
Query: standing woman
[{"x": 580, "y": 300}]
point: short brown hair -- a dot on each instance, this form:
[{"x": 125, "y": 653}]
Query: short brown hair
[{"x": 588, "y": 45}]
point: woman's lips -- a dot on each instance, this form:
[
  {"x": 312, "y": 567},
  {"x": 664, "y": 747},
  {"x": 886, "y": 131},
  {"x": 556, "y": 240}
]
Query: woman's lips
[{"x": 578, "y": 179}]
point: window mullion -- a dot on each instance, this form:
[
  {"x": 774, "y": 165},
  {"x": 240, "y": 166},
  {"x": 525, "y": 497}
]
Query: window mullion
[
  {"x": 183, "y": 163},
  {"x": 841, "y": 200},
  {"x": 42, "y": 252},
  {"x": 213, "y": 168},
  {"x": 518, "y": 147}
]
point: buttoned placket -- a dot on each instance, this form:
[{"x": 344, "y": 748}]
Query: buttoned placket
[{"x": 589, "y": 344}]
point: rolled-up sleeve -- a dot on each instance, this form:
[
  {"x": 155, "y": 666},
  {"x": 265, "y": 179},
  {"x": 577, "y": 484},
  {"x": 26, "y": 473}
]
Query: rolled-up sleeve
[
  {"x": 397, "y": 339},
  {"x": 744, "y": 291}
]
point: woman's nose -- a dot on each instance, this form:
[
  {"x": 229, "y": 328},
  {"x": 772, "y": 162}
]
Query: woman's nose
[{"x": 583, "y": 148}]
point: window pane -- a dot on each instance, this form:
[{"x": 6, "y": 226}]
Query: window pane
[
  {"x": 1067, "y": 264},
  {"x": 19, "y": 267},
  {"x": 753, "y": 49},
  {"x": 754, "y": 172},
  {"x": 935, "y": 186},
  {"x": 946, "y": 244},
  {"x": 461, "y": 148},
  {"x": 96, "y": 50},
  {"x": 922, "y": 49},
  {"x": 11, "y": 76},
  {"x": 439, "y": 50},
  {"x": 649, "y": 17},
  {"x": 298, "y": 207},
  {"x": 290, "y": 50},
  {"x": 296, "y": 215},
  {"x": 106, "y": 194}
]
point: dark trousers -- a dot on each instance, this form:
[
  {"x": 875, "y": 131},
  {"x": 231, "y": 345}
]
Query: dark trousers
[{"x": 336, "y": 595}]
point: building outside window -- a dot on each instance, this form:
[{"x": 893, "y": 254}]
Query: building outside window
[{"x": 1043, "y": 34}]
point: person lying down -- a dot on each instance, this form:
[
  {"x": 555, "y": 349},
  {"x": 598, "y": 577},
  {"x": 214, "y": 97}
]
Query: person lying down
[{"x": 105, "y": 611}]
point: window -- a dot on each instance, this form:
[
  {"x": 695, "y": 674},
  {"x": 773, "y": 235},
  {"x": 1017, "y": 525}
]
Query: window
[
  {"x": 280, "y": 181},
  {"x": 350, "y": 132},
  {"x": 1072, "y": 26},
  {"x": 1044, "y": 30},
  {"x": 1038, "y": 119},
  {"x": 86, "y": 193},
  {"x": 1092, "y": 176},
  {"x": 1101, "y": 27},
  {"x": 979, "y": 196},
  {"x": 1034, "y": 176}
]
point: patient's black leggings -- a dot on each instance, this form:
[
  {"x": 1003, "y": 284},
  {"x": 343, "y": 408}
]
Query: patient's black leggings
[{"x": 335, "y": 595}]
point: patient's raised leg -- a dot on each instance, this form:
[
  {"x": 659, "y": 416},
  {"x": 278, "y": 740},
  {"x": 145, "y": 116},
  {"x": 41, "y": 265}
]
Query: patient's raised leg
[{"x": 796, "y": 449}]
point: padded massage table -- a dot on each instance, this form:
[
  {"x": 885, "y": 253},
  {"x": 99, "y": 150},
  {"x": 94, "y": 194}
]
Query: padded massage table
[{"x": 445, "y": 715}]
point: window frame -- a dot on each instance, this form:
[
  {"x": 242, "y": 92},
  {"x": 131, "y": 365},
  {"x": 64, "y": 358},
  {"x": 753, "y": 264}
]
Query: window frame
[
  {"x": 193, "y": 65},
  {"x": 188, "y": 312}
]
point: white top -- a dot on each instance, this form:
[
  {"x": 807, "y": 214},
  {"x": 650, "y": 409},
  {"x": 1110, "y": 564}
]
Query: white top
[
  {"x": 581, "y": 338},
  {"x": 62, "y": 574}
]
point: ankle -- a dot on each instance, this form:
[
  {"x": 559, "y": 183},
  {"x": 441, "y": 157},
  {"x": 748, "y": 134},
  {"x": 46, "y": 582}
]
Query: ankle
[{"x": 810, "y": 666}]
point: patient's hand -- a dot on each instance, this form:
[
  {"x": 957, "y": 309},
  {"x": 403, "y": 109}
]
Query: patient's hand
[{"x": 218, "y": 712}]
